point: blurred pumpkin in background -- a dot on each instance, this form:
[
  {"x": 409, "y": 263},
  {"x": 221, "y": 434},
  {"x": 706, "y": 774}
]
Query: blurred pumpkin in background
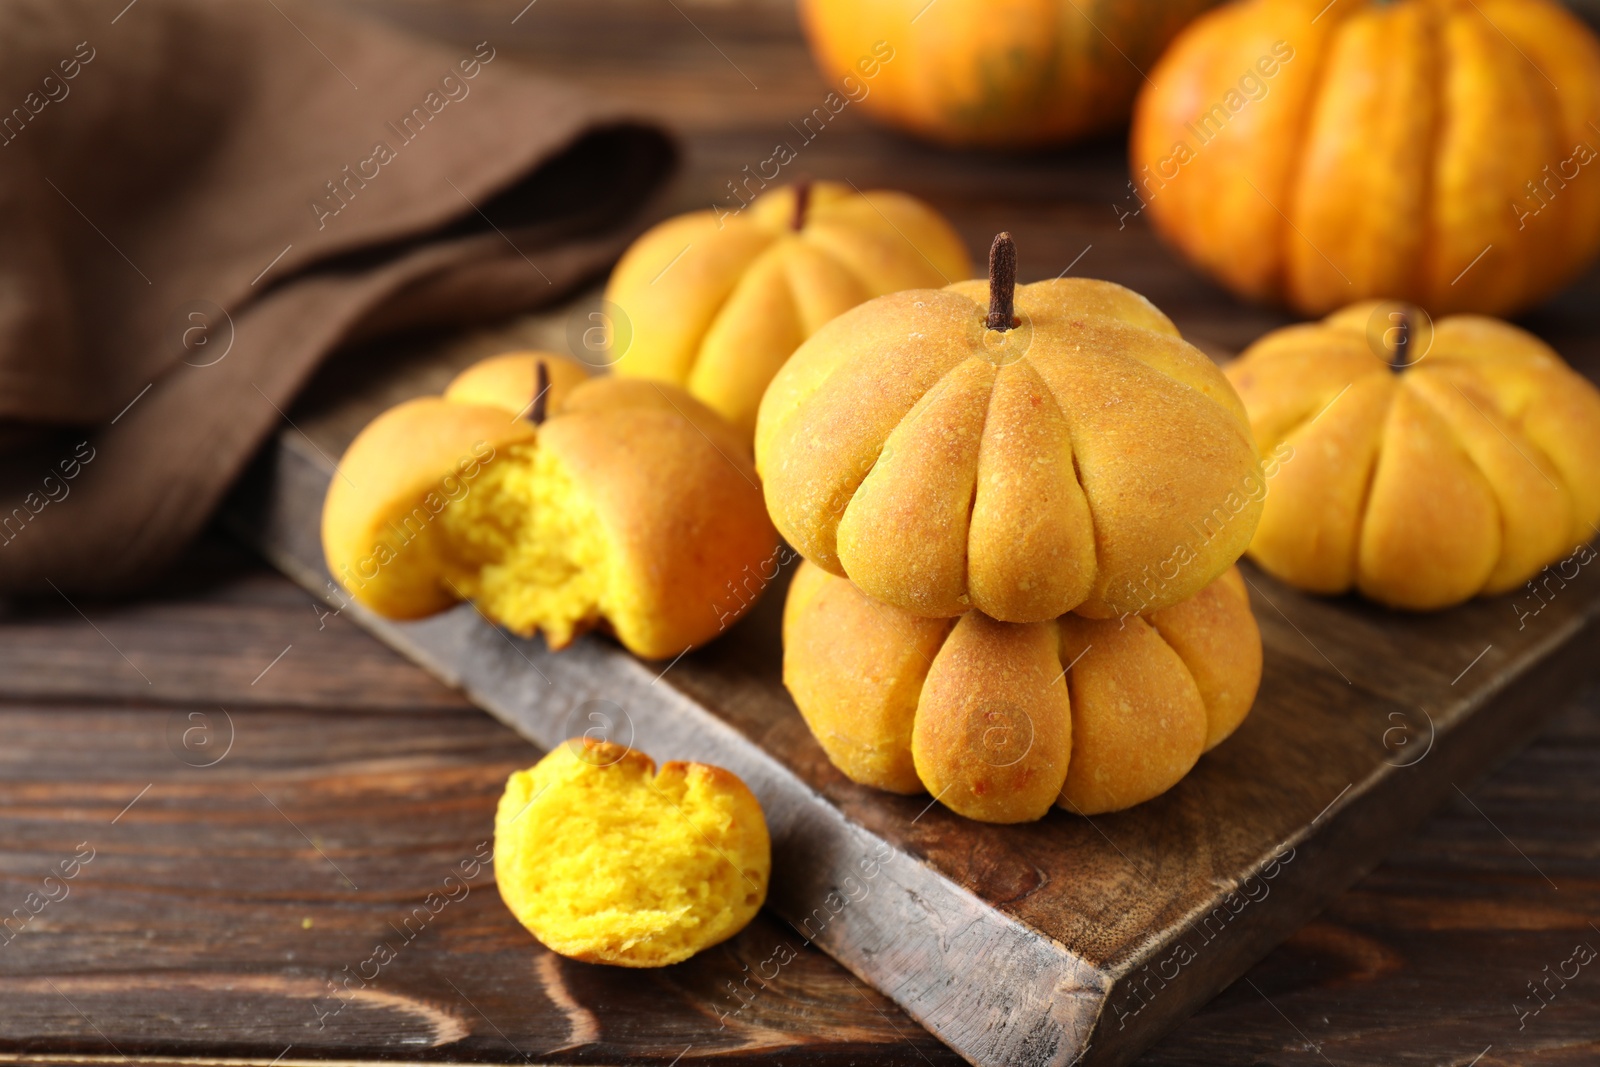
[
  {"x": 993, "y": 73},
  {"x": 1438, "y": 151}
]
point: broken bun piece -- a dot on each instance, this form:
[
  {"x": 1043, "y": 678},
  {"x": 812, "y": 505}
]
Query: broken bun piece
[
  {"x": 555, "y": 503},
  {"x": 606, "y": 861}
]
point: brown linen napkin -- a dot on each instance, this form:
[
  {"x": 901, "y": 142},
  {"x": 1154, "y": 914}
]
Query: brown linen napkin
[{"x": 201, "y": 200}]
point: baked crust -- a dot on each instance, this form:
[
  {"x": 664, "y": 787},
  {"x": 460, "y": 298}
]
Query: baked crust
[
  {"x": 716, "y": 301},
  {"x": 1000, "y": 720},
  {"x": 663, "y": 509},
  {"x": 1461, "y": 474},
  {"x": 1088, "y": 459}
]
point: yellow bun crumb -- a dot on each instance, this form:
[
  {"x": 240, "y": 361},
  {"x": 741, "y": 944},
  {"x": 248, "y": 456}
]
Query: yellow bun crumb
[{"x": 605, "y": 861}]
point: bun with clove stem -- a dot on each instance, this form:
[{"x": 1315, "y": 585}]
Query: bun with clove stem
[
  {"x": 554, "y": 502},
  {"x": 1023, "y": 451},
  {"x": 1420, "y": 463}
]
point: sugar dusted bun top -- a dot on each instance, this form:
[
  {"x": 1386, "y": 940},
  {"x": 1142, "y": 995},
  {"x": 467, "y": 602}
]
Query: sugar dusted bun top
[{"x": 1084, "y": 457}]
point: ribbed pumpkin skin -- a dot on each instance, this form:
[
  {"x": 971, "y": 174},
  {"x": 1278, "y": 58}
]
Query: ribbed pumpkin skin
[
  {"x": 717, "y": 300},
  {"x": 1400, "y": 152},
  {"x": 994, "y": 73},
  {"x": 1465, "y": 473}
]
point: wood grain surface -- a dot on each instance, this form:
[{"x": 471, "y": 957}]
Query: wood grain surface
[
  {"x": 267, "y": 796},
  {"x": 188, "y": 936},
  {"x": 185, "y": 936},
  {"x": 1070, "y": 940}
]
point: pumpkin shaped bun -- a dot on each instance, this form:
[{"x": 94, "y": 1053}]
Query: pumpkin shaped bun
[
  {"x": 717, "y": 300},
  {"x": 1435, "y": 151},
  {"x": 1000, "y": 720},
  {"x": 1065, "y": 451},
  {"x": 1421, "y": 464},
  {"x": 606, "y": 861},
  {"x": 555, "y": 503}
]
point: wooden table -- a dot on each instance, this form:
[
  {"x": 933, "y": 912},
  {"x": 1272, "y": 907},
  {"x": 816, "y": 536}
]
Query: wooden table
[
  {"x": 251, "y": 794},
  {"x": 347, "y": 785}
]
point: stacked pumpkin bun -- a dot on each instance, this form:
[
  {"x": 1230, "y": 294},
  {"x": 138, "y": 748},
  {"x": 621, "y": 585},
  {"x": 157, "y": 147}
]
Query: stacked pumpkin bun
[
  {"x": 1020, "y": 508},
  {"x": 555, "y": 503}
]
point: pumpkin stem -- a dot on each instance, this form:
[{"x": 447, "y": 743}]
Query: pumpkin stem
[
  {"x": 1400, "y": 357},
  {"x": 802, "y": 200},
  {"x": 541, "y": 396},
  {"x": 1002, "y": 283}
]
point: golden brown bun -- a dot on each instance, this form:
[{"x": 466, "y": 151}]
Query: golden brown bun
[
  {"x": 716, "y": 301},
  {"x": 855, "y": 669},
  {"x": 682, "y": 509},
  {"x": 605, "y": 861},
  {"x": 511, "y": 381},
  {"x": 1461, "y": 474},
  {"x": 988, "y": 717},
  {"x": 1088, "y": 460},
  {"x": 633, "y": 507}
]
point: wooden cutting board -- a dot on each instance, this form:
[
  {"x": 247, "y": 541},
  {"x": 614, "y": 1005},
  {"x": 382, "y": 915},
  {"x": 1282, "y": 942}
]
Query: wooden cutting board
[{"x": 1070, "y": 940}]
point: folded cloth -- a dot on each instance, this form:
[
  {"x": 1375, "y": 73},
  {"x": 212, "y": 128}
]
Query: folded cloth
[{"x": 202, "y": 200}]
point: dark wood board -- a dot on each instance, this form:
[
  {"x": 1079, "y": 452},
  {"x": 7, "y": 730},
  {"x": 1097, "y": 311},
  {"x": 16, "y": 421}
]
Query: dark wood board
[
  {"x": 1069, "y": 940},
  {"x": 1420, "y": 963}
]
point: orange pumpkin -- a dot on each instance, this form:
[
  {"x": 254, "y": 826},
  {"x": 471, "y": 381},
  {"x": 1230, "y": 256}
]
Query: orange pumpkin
[
  {"x": 998, "y": 73},
  {"x": 1317, "y": 152}
]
